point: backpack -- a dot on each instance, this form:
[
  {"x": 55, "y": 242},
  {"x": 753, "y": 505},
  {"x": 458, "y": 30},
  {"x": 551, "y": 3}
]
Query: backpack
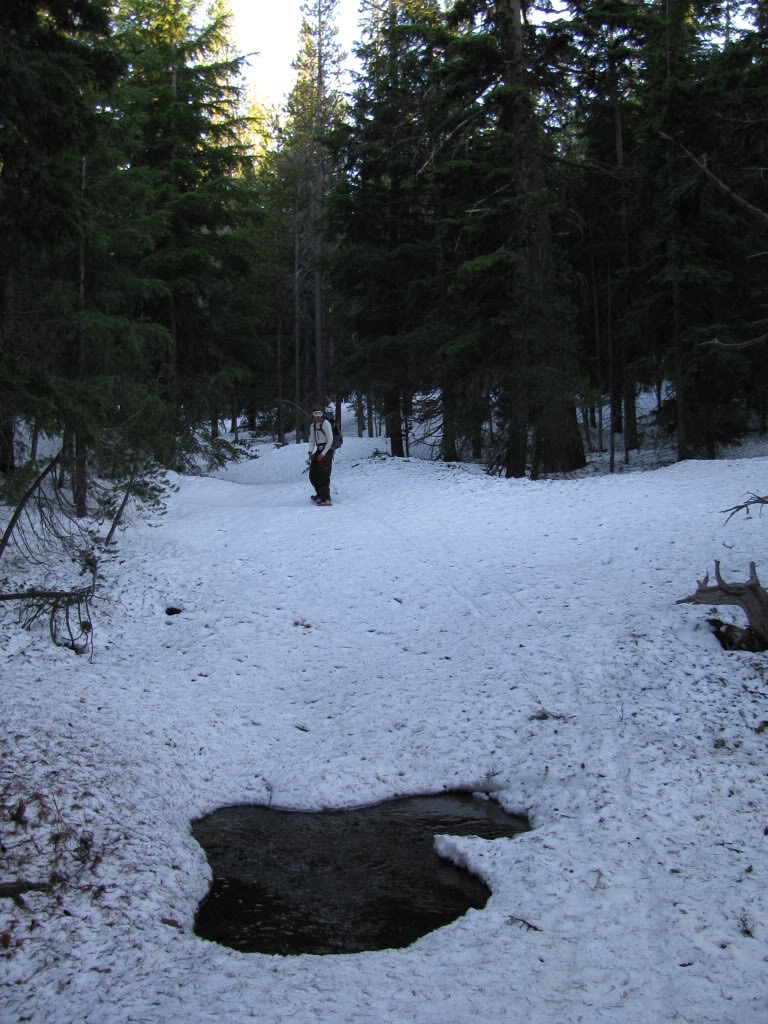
[{"x": 338, "y": 439}]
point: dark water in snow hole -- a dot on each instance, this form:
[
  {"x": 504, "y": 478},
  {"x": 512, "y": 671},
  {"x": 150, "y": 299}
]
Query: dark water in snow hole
[{"x": 340, "y": 881}]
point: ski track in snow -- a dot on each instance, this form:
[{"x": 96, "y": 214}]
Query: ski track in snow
[{"x": 435, "y": 629}]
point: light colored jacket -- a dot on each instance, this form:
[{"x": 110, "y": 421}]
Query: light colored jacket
[{"x": 320, "y": 437}]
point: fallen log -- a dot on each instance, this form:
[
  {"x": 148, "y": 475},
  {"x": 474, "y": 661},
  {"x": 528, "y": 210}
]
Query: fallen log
[{"x": 11, "y": 890}]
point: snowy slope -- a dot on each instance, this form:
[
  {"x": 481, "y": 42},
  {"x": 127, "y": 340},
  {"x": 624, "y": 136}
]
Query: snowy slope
[{"x": 435, "y": 629}]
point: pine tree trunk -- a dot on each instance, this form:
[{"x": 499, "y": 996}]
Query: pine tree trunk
[
  {"x": 629, "y": 421},
  {"x": 34, "y": 442},
  {"x": 67, "y": 457},
  {"x": 297, "y": 331},
  {"x": 562, "y": 450},
  {"x": 321, "y": 384},
  {"x": 585, "y": 423},
  {"x": 280, "y": 399},
  {"x": 617, "y": 408},
  {"x": 598, "y": 352},
  {"x": 680, "y": 391},
  {"x": 80, "y": 467},
  {"x": 172, "y": 381},
  {"x": 7, "y": 437},
  {"x": 675, "y": 14},
  {"x": 394, "y": 423},
  {"x": 630, "y": 418},
  {"x": 611, "y": 430},
  {"x": 309, "y": 399},
  {"x": 277, "y": 292},
  {"x": 360, "y": 407},
  {"x": 516, "y": 457},
  {"x": 7, "y": 420},
  {"x": 407, "y": 412},
  {"x": 536, "y": 454},
  {"x": 448, "y": 451},
  {"x": 477, "y": 428},
  {"x": 318, "y": 175},
  {"x": 532, "y": 281},
  {"x": 80, "y": 477}
]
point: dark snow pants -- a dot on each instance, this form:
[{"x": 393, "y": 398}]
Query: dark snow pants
[{"x": 320, "y": 475}]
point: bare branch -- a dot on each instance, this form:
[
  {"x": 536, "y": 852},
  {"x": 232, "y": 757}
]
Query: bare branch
[
  {"x": 715, "y": 342},
  {"x": 755, "y": 211},
  {"x": 754, "y": 499},
  {"x": 119, "y": 513},
  {"x": 48, "y": 595},
  {"x": 61, "y": 607},
  {"x": 22, "y": 504}
]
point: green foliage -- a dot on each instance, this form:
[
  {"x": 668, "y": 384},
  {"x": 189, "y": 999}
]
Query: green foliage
[
  {"x": 128, "y": 207},
  {"x": 505, "y": 217}
]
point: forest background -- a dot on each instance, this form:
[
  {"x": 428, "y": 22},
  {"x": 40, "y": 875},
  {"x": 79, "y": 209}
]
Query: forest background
[{"x": 519, "y": 214}]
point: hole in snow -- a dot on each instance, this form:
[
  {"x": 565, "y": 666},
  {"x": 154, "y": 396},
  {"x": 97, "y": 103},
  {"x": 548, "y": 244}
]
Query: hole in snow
[
  {"x": 172, "y": 611},
  {"x": 341, "y": 881}
]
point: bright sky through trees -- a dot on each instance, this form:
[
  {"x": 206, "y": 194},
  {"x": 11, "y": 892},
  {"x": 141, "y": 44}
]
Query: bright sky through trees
[{"x": 270, "y": 30}]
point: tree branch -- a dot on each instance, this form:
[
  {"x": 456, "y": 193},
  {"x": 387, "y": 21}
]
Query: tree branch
[
  {"x": 755, "y": 211},
  {"x": 25, "y": 498},
  {"x": 50, "y": 595},
  {"x": 736, "y": 344},
  {"x": 119, "y": 514},
  {"x": 57, "y": 605},
  {"x": 754, "y": 499}
]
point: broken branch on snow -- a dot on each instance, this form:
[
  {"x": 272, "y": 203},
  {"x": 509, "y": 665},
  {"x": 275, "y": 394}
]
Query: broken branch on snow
[
  {"x": 69, "y": 609},
  {"x": 754, "y": 499}
]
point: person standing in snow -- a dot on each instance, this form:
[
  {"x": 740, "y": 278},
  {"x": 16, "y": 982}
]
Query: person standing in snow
[{"x": 320, "y": 456}]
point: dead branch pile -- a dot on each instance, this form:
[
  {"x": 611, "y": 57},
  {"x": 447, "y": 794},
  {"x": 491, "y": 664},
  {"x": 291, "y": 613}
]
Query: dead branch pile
[
  {"x": 67, "y": 611},
  {"x": 42, "y": 521}
]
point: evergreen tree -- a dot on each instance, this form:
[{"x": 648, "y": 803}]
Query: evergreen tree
[
  {"x": 606, "y": 42},
  {"x": 185, "y": 96},
  {"x": 385, "y": 208},
  {"x": 514, "y": 270},
  {"x": 314, "y": 107},
  {"x": 52, "y": 58},
  {"x": 690, "y": 243},
  {"x": 736, "y": 150}
]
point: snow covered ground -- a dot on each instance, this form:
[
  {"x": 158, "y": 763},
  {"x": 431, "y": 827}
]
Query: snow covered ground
[{"x": 436, "y": 629}]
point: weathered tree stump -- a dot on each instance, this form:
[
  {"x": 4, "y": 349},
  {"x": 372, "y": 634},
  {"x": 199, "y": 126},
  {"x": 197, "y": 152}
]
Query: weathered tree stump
[{"x": 749, "y": 596}]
